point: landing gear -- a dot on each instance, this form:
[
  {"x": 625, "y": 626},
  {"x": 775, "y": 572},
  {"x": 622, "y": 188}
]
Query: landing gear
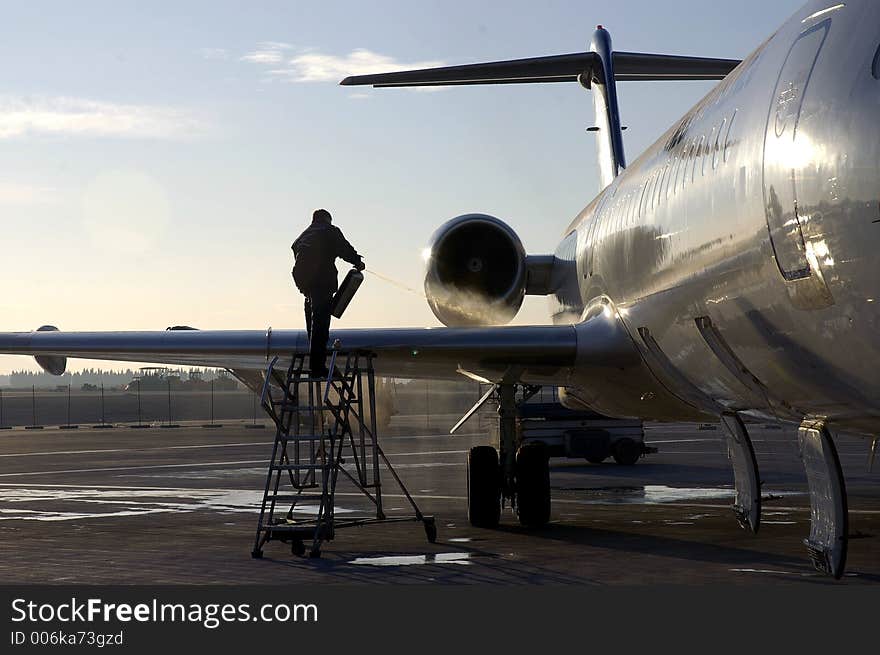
[
  {"x": 829, "y": 526},
  {"x": 626, "y": 452},
  {"x": 519, "y": 475},
  {"x": 484, "y": 487},
  {"x": 747, "y": 506},
  {"x": 533, "y": 485}
]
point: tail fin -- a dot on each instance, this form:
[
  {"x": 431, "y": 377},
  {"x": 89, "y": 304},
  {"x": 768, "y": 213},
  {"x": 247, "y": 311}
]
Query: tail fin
[
  {"x": 609, "y": 147},
  {"x": 598, "y": 69}
]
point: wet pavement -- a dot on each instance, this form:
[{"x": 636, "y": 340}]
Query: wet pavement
[{"x": 180, "y": 506}]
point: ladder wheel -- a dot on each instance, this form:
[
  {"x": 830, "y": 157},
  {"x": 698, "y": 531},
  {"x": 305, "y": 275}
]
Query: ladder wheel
[
  {"x": 297, "y": 547},
  {"x": 256, "y": 553},
  {"x": 484, "y": 487},
  {"x": 431, "y": 530},
  {"x": 533, "y": 485}
]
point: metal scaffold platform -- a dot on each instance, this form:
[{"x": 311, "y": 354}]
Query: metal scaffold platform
[{"x": 325, "y": 428}]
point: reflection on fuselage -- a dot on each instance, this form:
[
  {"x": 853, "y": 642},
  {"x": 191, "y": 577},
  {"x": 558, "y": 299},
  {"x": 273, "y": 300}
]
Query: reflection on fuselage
[{"x": 760, "y": 209}]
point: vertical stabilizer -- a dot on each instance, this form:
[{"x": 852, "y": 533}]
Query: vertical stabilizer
[{"x": 609, "y": 137}]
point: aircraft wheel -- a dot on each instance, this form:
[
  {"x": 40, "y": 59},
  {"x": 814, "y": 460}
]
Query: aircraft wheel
[
  {"x": 533, "y": 485},
  {"x": 627, "y": 452},
  {"x": 484, "y": 487}
]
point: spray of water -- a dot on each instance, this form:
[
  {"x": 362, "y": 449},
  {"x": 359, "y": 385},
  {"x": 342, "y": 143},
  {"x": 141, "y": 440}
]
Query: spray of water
[{"x": 399, "y": 285}]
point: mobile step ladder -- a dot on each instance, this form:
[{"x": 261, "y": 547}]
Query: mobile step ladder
[{"x": 324, "y": 427}]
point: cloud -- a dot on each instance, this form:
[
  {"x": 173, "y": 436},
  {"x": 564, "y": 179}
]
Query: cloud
[
  {"x": 268, "y": 52},
  {"x": 65, "y": 116},
  {"x": 318, "y": 67}
]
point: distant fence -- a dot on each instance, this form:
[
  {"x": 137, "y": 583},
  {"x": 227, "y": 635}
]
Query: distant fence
[{"x": 23, "y": 408}]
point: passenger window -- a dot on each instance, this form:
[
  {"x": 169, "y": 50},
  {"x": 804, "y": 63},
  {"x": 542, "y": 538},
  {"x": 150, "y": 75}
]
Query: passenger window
[
  {"x": 727, "y": 138},
  {"x": 716, "y": 149},
  {"x": 673, "y": 177},
  {"x": 664, "y": 181},
  {"x": 875, "y": 69},
  {"x": 706, "y": 152},
  {"x": 642, "y": 199},
  {"x": 653, "y": 195},
  {"x": 697, "y": 154},
  {"x": 690, "y": 157}
]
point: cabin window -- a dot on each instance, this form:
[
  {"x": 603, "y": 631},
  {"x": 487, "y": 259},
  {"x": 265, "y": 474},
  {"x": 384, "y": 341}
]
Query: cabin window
[
  {"x": 664, "y": 179},
  {"x": 716, "y": 149},
  {"x": 875, "y": 69},
  {"x": 642, "y": 199},
  {"x": 673, "y": 177},
  {"x": 727, "y": 138},
  {"x": 697, "y": 153},
  {"x": 667, "y": 175},
  {"x": 653, "y": 195},
  {"x": 706, "y": 151}
]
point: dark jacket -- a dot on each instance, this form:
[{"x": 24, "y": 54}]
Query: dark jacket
[{"x": 316, "y": 251}]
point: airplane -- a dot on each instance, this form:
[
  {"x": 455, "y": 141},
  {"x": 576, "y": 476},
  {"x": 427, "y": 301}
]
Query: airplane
[{"x": 729, "y": 272}]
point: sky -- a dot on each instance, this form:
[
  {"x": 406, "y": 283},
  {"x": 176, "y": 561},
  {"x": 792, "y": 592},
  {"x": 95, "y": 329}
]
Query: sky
[{"x": 157, "y": 159}]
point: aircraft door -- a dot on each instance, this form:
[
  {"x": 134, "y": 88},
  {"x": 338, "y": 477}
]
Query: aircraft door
[{"x": 787, "y": 151}]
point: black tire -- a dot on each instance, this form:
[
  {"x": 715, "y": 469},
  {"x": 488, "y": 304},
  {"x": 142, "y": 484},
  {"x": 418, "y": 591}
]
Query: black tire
[
  {"x": 627, "y": 452},
  {"x": 594, "y": 459},
  {"x": 484, "y": 487},
  {"x": 533, "y": 485}
]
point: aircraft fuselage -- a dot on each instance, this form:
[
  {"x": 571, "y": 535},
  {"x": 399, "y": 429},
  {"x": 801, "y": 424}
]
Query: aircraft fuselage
[{"x": 742, "y": 250}]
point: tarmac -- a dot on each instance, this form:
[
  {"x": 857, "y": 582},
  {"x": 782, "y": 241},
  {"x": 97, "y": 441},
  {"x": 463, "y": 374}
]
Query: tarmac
[{"x": 179, "y": 506}]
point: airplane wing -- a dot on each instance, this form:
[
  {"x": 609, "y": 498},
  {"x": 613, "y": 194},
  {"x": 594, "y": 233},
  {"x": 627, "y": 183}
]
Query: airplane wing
[
  {"x": 556, "y": 68},
  {"x": 511, "y": 353}
]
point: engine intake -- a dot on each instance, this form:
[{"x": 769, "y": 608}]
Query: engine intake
[{"x": 476, "y": 271}]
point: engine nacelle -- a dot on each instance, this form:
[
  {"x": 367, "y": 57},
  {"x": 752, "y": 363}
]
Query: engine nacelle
[
  {"x": 476, "y": 271},
  {"x": 50, "y": 363}
]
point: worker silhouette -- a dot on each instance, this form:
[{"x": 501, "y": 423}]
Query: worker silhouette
[{"x": 314, "y": 273}]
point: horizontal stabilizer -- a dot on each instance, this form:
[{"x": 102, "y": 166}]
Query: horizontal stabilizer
[{"x": 556, "y": 68}]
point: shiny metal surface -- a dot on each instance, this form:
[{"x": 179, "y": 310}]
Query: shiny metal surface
[
  {"x": 543, "y": 353},
  {"x": 759, "y": 210},
  {"x": 475, "y": 271}
]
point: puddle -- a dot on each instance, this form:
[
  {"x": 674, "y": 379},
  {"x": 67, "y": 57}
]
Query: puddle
[
  {"x": 459, "y": 540},
  {"x": 410, "y": 560},
  {"x": 68, "y": 503},
  {"x": 658, "y": 493}
]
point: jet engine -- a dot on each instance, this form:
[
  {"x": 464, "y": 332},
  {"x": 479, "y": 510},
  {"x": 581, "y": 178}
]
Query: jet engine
[
  {"x": 50, "y": 363},
  {"x": 476, "y": 271}
]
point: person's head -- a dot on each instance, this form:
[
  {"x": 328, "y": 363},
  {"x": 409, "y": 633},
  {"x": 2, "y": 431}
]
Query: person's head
[{"x": 321, "y": 216}]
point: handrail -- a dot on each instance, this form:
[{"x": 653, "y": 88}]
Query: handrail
[{"x": 267, "y": 381}]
